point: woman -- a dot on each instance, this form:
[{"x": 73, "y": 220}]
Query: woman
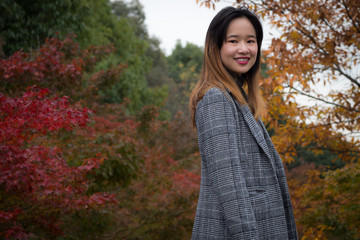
[{"x": 243, "y": 193}]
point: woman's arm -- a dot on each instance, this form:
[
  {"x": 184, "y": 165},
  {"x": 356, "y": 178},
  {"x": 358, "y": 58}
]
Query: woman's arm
[{"x": 216, "y": 128}]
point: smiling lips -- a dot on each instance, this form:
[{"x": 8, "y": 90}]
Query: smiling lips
[{"x": 242, "y": 60}]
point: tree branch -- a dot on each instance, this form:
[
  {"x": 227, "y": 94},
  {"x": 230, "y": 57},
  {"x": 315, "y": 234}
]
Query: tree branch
[
  {"x": 330, "y": 123},
  {"x": 323, "y": 100},
  {"x": 338, "y": 151},
  {"x": 331, "y": 27},
  {"x": 348, "y": 14},
  {"x": 337, "y": 68},
  {"x": 353, "y": 80}
]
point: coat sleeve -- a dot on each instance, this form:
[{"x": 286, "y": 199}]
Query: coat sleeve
[{"x": 218, "y": 144}]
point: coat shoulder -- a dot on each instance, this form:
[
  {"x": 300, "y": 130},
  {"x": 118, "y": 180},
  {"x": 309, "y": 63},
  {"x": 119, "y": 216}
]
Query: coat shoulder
[{"x": 214, "y": 95}]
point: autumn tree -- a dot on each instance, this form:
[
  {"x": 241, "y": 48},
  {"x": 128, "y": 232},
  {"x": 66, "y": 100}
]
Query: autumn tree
[
  {"x": 26, "y": 25},
  {"x": 37, "y": 185},
  {"x": 59, "y": 161},
  {"x": 312, "y": 89},
  {"x": 119, "y": 148},
  {"x": 160, "y": 203}
]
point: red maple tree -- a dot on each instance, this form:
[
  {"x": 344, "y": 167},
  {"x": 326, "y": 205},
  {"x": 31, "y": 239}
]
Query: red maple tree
[{"x": 37, "y": 184}]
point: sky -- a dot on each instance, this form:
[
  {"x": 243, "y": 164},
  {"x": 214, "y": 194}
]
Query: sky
[{"x": 184, "y": 20}]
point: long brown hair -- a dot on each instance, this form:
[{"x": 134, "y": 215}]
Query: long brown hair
[{"x": 214, "y": 73}]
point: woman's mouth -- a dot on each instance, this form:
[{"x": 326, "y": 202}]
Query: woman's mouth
[{"x": 242, "y": 60}]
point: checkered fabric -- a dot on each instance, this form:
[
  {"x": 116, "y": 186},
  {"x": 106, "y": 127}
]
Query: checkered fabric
[{"x": 243, "y": 192}]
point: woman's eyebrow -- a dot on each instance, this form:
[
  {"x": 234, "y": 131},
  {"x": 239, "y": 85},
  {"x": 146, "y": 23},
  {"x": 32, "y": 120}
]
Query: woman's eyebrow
[
  {"x": 232, "y": 36},
  {"x": 236, "y": 36}
]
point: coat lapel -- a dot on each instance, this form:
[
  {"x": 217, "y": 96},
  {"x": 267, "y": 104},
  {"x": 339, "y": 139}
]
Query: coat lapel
[{"x": 255, "y": 129}]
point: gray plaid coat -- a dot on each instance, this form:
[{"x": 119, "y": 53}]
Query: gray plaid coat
[{"x": 243, "y": 191}]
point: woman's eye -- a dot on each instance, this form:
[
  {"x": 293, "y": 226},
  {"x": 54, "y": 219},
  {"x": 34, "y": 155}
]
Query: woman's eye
[
  {"x": 251, "y": 41},
  {"x": 232, "y": 41}
]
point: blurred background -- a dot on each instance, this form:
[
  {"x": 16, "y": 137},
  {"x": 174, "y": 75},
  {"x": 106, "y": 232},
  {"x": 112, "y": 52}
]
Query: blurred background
[{"x": 96, "y": 140}]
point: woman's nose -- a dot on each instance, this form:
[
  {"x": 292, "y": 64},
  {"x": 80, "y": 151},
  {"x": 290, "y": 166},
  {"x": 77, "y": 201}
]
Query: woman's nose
[{"x": 242, "y": 48}]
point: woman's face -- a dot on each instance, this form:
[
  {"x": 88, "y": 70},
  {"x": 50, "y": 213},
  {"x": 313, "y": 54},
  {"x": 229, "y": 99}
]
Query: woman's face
[{"x": 239, "y": 51}]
